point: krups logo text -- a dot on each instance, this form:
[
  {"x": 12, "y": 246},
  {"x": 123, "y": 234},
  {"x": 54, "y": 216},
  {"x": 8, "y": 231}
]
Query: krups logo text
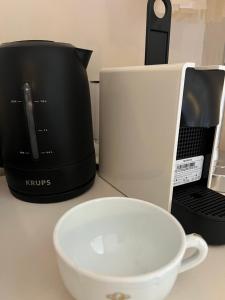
[{"x": 41, "y": 182}]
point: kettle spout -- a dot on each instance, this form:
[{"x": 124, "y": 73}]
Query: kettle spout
[{"x": 84, "y": 56}]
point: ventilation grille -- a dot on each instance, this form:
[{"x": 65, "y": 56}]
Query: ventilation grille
[
  {"x": 194, "y": 141},
  {"x": 201, "y": 200}
]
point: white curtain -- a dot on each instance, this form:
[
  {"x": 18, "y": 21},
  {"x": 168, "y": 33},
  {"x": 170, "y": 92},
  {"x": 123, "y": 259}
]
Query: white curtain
[
  {"x": 208, "y": 10},
  {"x": 183, "y": 9},
  {"x": 189, "y": 5},
  {"x": 215, "y": 10},
  {"x": 189, "y": 9}
]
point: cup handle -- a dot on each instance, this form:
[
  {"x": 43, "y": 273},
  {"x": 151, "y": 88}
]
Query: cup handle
[{"x": 201, "y": 249}]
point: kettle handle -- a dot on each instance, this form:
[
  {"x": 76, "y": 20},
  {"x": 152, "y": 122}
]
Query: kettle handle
[{"x": 1, "y": 160}]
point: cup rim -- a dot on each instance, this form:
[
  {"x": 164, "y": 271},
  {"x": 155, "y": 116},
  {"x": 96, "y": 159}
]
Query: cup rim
[{"x": 125, "y": 279}]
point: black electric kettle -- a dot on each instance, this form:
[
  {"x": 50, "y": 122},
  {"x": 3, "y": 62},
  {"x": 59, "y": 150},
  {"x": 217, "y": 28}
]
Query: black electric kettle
[{"x": 46, "y": 138}]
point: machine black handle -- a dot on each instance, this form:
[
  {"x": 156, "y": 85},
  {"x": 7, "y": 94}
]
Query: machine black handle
[{"x": 157, "y": 34}]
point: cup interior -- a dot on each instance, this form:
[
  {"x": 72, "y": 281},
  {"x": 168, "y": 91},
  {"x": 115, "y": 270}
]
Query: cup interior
[{"x": 119, "y": 237}]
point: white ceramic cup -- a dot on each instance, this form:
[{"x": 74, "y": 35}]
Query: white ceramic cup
[{"x": 121, "y": 248}]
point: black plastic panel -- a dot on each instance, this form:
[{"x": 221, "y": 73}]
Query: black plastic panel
[{"x": 201, "y": 98}]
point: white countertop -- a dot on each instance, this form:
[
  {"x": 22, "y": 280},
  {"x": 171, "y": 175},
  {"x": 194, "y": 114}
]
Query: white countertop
[{"x": 28, "y": 269}]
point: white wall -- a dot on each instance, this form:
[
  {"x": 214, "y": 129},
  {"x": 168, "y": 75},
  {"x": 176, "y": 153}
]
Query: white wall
[{"x": 114, "y": 29}]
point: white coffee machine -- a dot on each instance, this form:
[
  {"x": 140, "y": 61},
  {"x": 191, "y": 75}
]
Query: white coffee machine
[{"x": 159, "y": 130}]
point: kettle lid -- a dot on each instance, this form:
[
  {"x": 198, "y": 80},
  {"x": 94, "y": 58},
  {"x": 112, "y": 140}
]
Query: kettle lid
[
  {"x": 82, "y": 54},
  {"x": 35, "y": 43}
]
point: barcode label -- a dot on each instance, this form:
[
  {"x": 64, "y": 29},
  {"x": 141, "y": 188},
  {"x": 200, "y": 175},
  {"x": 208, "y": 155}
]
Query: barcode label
[
  {"x": 188, "y": 170},
  {"x": 186, "y": 166}
]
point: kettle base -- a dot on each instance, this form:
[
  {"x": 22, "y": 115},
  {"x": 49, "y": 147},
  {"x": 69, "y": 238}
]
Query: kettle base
[{"x": 53, "y": 198}]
